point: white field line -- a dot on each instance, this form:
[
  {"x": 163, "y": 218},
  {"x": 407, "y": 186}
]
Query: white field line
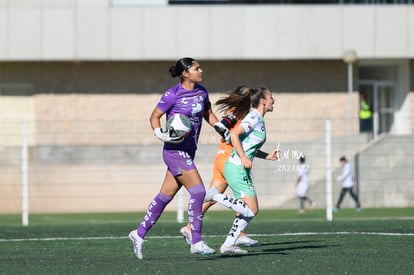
[{"x": 210, "y": 236}]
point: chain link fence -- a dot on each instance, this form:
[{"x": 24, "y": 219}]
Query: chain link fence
[{"x": 112, "y": 166}]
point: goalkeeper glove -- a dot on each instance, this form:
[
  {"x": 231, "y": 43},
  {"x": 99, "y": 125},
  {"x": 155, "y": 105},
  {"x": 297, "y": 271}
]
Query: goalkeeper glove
[
  {"x": 223, "y": 131},
  {"x": 165, "y": 136}
]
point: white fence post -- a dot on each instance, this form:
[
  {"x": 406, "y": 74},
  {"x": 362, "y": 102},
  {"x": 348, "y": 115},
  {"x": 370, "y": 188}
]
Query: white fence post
[
  {"x": 328, "y": 129},
  {"x": 180, "y": 206},
  {"x": 25, "y": 187}
]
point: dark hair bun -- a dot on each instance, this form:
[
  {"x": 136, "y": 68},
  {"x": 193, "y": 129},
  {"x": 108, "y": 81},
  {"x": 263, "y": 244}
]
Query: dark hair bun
[
  {"x": 183, "y": 64},
  {"x": 173, "y": 71}
]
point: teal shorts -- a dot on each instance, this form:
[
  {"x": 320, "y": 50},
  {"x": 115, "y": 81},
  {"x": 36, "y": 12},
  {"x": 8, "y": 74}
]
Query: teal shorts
[{"x": 239, "y": 180}]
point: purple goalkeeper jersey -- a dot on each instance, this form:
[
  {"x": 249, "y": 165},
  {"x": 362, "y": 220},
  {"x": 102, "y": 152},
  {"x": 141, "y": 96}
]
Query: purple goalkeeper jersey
[{"x": 178, "y": 100}]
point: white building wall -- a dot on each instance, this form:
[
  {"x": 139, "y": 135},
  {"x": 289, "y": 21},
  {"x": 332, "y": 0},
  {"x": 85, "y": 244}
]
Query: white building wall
[
  {"x": 392, "y": 27},
  {"x": 96, "y": 30}
]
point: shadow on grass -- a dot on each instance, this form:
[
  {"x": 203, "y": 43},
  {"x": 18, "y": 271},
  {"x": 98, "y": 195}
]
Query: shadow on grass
[
  {"x": 280, "y": 250},
  {"x": 283, "y": 243},
  {"x": 298, "y": 245}
]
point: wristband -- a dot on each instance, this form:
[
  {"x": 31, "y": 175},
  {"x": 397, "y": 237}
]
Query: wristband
[{"x": 261, "y": 154}]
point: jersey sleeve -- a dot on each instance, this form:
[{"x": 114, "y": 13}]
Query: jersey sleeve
[
  {"x": 249, "y": 122},
  {"x": 167, "y": 101}
]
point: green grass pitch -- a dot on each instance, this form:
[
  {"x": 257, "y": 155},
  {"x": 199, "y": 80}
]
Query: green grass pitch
[{"x": 374, "y": 241}]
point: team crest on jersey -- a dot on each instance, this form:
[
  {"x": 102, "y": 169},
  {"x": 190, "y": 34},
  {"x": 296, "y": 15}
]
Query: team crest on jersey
[{"x": 195, "y": 108}]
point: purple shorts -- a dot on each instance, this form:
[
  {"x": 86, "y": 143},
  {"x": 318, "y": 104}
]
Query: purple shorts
[{"x": 177, "y": 161}]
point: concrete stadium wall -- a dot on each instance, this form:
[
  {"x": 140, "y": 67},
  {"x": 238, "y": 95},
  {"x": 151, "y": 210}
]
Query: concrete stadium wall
[
  {"x": 144, "y": 77},
  {"x": 83, "y": 160},
  {"x": 74, "y": 30},
  {"x": 93, "y": 150},
  {"x": 43, "y": 91},
  {"x": 97, "y": 152}
]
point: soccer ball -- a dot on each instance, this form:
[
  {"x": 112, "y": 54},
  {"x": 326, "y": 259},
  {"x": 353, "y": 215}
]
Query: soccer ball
[{"x": 179, "y": 125}]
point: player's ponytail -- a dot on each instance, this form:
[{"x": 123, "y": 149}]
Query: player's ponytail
[
  {"x": 244, "y": 103},
  {"x": 237, "y": 102}
]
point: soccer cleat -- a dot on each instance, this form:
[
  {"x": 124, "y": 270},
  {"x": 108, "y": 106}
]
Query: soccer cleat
[
  {"x": 246, "y": 241},
  {"x": 359, "y": 209},
  {"x": 313, "y": 205},
  {"x": 137, "y": 241},
  {"x": 186, "y": 232},
  {"x": 232, "y": 250},
  {"x": 335, "y": 209},
  {"x": 210, "y": 194},
  {"x": 201, "y": 248}
]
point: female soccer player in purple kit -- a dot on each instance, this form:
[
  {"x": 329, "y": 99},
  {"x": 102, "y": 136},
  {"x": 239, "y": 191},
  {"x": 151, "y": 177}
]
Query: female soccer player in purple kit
[{"x": 187, "y": 97}]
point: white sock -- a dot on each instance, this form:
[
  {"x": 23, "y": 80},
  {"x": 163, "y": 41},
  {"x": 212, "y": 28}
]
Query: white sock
[
  {"x": 239, "y": 224},
  {"x": 236, "y": 205}
]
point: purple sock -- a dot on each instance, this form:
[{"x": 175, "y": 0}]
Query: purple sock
[
  {"x": 154, "y": 211},
  {"x": 195, "y": 215}
]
